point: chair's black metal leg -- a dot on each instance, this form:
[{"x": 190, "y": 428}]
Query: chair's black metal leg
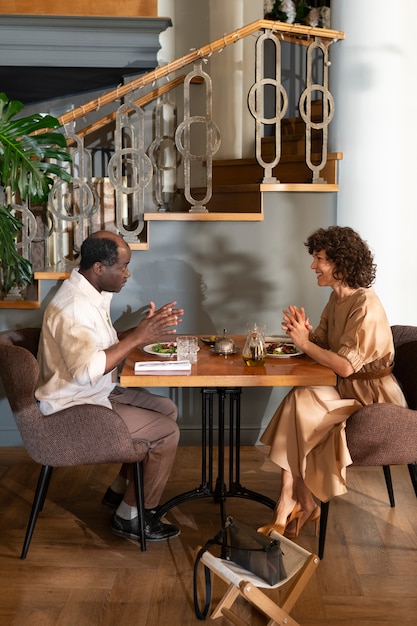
[
  {"x": 138, "y": 478},
  {"x": 37, "y": 506},
  {"x": 323, "y": 527},
  {"x": 388, "y": 482},
  {"x": 45, "y": 490},
  {"x": 412, "y": 468}
]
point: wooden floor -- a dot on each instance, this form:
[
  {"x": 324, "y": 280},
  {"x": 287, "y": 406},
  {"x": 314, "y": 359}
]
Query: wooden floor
[{"x": 78, "y": 574}]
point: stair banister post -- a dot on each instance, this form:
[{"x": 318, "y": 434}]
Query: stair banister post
[
  {"x": 256, "y": 104},
  {"x": 327, "y": 106},
  {"x": 183, "y": 138}
]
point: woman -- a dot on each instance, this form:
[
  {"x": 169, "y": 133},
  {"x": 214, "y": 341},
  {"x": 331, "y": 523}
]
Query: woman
[{"x": 354, "y": 339}]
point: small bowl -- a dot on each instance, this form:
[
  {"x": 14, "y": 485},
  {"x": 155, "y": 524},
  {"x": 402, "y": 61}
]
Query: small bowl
[{"x": 209, "y": 341}]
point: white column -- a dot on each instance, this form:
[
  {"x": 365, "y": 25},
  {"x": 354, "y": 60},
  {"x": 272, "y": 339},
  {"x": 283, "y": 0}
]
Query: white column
[
  {"x": 232, "y": 70},
  {"x": 233, "y": 73},
  {"x": 372, "y": 78},
  {"x": 166, "y": 8}
]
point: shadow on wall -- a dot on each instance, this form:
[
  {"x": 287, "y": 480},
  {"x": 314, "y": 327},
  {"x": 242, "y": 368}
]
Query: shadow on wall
[
  {"x": 239, "y": 290},
  {"x": 166, "y": 281}
]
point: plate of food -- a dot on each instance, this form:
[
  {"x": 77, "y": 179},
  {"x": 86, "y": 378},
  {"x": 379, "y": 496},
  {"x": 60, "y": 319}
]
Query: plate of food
[
  {"x": 210, "y": 340},
  {"x": 161, "y": 348},
  {"x": 282, "y": 349}
]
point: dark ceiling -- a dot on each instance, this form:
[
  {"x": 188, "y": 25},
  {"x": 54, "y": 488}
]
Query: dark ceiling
[{"x": 38, "y": 84}]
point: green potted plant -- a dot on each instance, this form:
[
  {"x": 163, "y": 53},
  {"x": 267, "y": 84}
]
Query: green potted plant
[{"x": 31, "y": 154}]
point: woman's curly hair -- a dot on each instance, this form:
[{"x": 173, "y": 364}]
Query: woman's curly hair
[{"x": 354, "y": 262}]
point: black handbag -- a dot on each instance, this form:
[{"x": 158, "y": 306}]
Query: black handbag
[
  {"x": 246, "y": 547},
  {"x": 255, "y": 552}
]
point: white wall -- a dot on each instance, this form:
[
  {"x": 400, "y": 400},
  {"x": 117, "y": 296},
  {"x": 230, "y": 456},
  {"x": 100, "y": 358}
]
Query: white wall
[
  {"x": 372, "y": 78},
  {"x": 230, "y": 96}
]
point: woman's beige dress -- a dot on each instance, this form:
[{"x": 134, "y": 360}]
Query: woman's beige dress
[{"x": 307, "y": 431}]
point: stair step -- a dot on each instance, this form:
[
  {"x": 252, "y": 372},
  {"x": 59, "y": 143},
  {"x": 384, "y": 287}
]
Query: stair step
[
  {"x": 293, "y": 134},
  {"x": 234, "y": 198},
  {"x": 292, "y": 142},
  {"x": 291, "y": 169}
]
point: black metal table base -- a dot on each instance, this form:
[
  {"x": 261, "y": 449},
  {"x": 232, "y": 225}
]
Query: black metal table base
[{"x": 211, "y": 487}]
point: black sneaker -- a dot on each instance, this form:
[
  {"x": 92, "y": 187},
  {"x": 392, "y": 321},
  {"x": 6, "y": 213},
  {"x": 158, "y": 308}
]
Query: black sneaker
[
  {"x": 155, "y": 530},
  {"x": 112, "y": 499}
]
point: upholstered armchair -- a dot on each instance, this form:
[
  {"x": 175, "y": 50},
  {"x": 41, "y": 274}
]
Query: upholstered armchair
[
  {"x": 80, "y": 435},
  {"x": 386, "y": 434}
]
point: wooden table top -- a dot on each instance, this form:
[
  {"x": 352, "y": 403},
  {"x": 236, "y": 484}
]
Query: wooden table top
[{"x": 212, "y": 370}]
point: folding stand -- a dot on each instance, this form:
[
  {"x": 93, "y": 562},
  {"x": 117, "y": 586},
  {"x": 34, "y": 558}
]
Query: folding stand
[{"x": 300, "y": 565}]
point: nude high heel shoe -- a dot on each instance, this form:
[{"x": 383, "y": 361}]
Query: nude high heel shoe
[
  {"x": 295, "y": 514},
  {"x": 313, "y": 517}
]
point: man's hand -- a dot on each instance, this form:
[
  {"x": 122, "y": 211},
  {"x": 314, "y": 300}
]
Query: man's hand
[{"x": 158, "y": 322}]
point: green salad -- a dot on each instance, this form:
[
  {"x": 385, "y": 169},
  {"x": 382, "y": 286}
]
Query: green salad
[{"x": 165, "y": 348}]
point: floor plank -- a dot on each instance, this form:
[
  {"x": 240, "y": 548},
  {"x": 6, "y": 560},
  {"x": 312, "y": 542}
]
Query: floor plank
[{"x": 78, "y": 574}]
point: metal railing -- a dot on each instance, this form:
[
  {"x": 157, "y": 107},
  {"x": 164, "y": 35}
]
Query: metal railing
[{"x": 144, "y": 169}]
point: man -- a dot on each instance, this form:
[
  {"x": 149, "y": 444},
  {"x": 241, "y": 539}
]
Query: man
[{"x": 79, "y": 352}]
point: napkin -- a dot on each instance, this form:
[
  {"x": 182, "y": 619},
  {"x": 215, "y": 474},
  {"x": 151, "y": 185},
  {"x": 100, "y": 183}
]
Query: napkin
[{"x": 162, "y": 367}]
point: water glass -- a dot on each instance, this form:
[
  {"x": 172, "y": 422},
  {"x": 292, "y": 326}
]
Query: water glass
[{"x": 187, "y": 348}]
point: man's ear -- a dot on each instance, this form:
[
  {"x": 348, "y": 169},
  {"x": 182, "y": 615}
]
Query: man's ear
[{"x": 97, "y": 268}]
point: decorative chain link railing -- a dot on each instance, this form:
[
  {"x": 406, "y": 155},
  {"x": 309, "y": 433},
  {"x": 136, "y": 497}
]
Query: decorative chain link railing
[
  {"x": 144, "y": 168},
  {"x": 72, "y": 206},
  {"x": 327, "y": 106},
  {"x": 211, "y": 142},
  {"x": 316, "y": 51},
  {"x": 256, "y": 103},
  {"x": 130, "y": 170},
  {"x": 163, "y": 153}
]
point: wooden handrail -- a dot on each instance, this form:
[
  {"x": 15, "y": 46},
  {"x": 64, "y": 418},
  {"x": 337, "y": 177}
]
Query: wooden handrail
[
  {"x": 151, "y": 95},
  {"x": 140, "y": 102},
  {"x": 294, "y": 32}
]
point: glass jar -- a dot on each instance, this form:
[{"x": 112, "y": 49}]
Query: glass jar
[{"x": 254, "y": 350}]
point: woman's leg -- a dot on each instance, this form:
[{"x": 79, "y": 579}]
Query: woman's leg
[
  {"x": 287, "y": 510},
  {"x": 287, "y": 499},
  {"x": 305, "y": 497},
  {"x": 295, "y": 508},
  {"x": 310, "y": 510}
]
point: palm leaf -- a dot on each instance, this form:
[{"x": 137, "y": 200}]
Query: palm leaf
[
  {"x": 24, "y": 157},
  {"x": 16, "y": 269},
  {"x": 31, "y": 156}
]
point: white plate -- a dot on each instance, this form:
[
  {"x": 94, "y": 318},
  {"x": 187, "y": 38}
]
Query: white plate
[
  {"x": 149, "y": 349},
  {"x": 284, "y": 355},
  {"x": 278, "y": 339}
]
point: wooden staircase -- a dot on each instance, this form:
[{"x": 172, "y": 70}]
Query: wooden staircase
[{"x": 237, "y": 182}]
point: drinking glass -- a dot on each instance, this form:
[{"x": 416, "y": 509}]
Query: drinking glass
[{"x": 187, "y": 348}]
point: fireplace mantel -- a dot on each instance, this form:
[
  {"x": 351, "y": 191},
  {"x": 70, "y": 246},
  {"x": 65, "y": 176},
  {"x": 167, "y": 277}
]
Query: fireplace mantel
[{"x": 103, "y": 49}]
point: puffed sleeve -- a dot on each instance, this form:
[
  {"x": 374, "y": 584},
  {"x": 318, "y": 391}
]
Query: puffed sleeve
[{"x": 367, "y": 337}]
